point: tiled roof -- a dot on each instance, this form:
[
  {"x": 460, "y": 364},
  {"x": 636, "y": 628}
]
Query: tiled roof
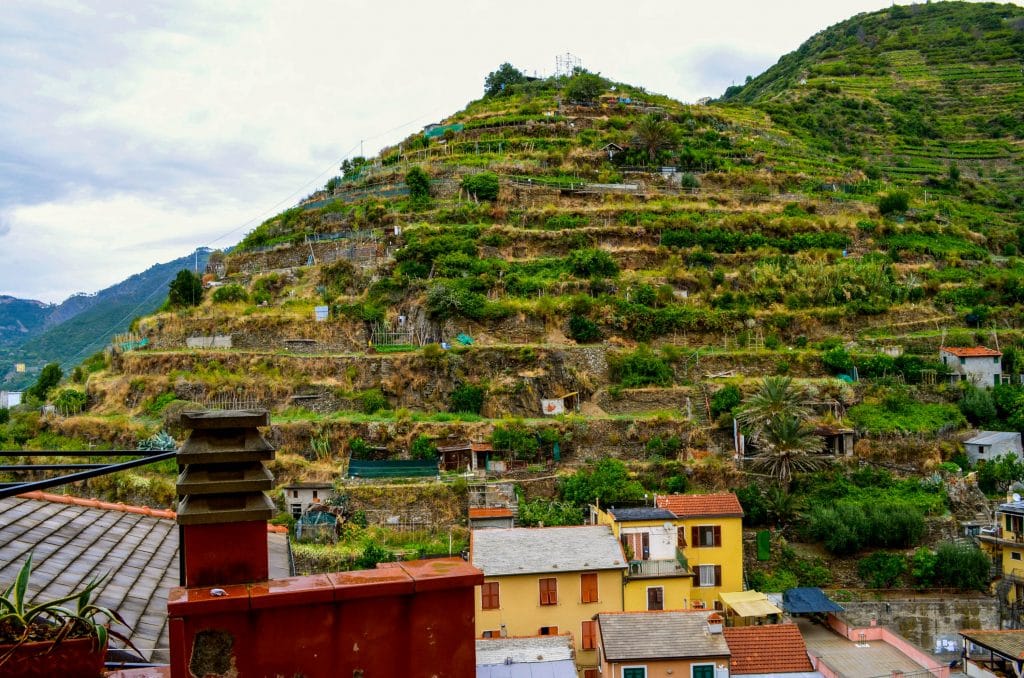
[
  {"x": 993, "y": 437},
  {"x": 723, "y": 505},
  {"x": 629, "y": 636},
  {"x": 73, "y": 540},
  {"x": 490, "y": 512},
  {"x": 641, "y": 513},
  {"x": 1008, "y": 642},
  {"x": 971, "y": 351},
  {"x": 540, "y": 550},
  {"x": 481, "y": 447},
  {"x": 773, "y": 648}
]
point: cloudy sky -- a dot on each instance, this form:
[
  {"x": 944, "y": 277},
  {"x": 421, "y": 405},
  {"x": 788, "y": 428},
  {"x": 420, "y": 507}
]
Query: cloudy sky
[{"x": 133, "y": 132}]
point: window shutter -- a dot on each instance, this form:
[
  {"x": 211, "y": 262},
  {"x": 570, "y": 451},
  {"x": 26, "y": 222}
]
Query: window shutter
[
  {"x": 588, "y": 588},
  {"x": 718, "y": 575},
  {"x": 589, "y": 635},
  {"x": 718, "y": 535},
  {"x": 681, "y": 537},
  {"x": 695, "y": 536}
]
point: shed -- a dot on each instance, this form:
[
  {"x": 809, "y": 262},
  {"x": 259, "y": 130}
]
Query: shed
[
  {"x": 454, "y": 455},
  {"x": 991, "y": 444},
  {"x": 487, "y": 517},
  {"x": 808, "y": 600}
]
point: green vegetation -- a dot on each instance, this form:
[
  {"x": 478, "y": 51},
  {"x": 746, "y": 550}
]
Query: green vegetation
[
  {"x": 642, "y": 367},
  {"x": 467, "y": 398},
  {"x": 185, "y": 290},
  {"x": 483, "y": 186},
  {"x": 898, "y": 414},
  {"x": 606, "y": 481}
]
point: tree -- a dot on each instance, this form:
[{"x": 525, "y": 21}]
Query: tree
[
  {"x": 482, "y": 186},
  {"x": 607, "y": 481},
  {"x": 418, "y": 183},
  {"x": 776, "y": 397},
  {"x": 466, "y": 398},
  {"x": 585, "y": 86},
  {"x": 652, "y": 134},
  {"x": 48, "y": 378},
  {"x": 423, "y": 448},
  {"x": 787, "y": 444},
  {"x": 185, "y": 290},
  {"x": 498, "y": 81},
  {"x": 896, "y": 202}
]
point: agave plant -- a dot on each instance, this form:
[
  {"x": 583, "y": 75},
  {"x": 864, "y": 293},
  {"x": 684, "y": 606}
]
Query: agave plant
[{"x": 22, "y": 621}]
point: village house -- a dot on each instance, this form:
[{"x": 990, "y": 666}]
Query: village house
[
  {"x": 989, "y": 445},
  {"x": 993, "y": 653},
  {"x": 976, "y": 365},
  {"x": 548, "y": 581},
  {"x": 688, "y": 644},
  {"x": 709, "y": 530},
  {"x": 300, "y": 496},
  {"x": 1005, "y": 543}
]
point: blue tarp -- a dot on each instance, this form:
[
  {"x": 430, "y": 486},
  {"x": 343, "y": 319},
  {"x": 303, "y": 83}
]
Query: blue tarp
[{"x": 808, "y": 600}]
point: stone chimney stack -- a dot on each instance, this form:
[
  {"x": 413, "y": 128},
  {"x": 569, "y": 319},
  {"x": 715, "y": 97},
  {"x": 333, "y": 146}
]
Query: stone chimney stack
[{"x": 223, "y": 510}]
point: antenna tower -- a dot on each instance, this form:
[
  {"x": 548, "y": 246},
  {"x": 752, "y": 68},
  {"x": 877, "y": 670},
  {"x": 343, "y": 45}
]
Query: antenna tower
[{"x": 566, "y": 63}]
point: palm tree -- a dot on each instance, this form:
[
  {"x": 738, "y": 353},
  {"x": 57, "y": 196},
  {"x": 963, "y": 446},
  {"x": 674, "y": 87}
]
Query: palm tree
[
  {"x": 652, "y": 134},
  {"x": 788, "y": 444},
  {"x": 778, "y": 398}
]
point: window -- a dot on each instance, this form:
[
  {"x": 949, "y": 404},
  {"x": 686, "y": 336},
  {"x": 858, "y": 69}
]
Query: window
[
  {"x": 314, "y": 494},
  {"x": 589, "y": 635},
  {"x": 491, "y": 634},
  {"x": 681, "y": 538},
  {"x": 702, "y": 671},
  {"x": 296, "y": 510},
  {"x": 591, "y": 673},
  {"x": 549, "y": 591},
  {"x": 489, "y": 599},
  {"x": 588, "y": 588},
  {"x": 706, "y": 535},
  {"x": 963, "y": 361},
  {"x": 655, "y": 598},
  {"x": 634, "y": 672},
  {"x": 1014, "y": 524},
  {"x": 709, "y": 575},
  {"x": 1014, "y": 555},
  {"x": 548, "y": 631},
  {"x": 637, "y": 545},
  {"x": 295, "y": 494}
]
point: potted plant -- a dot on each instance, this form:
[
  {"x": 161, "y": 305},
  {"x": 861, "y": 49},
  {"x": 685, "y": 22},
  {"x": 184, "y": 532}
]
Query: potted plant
[{"x": 45, "y": 638}]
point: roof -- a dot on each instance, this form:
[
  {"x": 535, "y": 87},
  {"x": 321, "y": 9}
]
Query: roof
[
  {"x": 481, "y": 447},
  {"x": 538, "y": 550},
  {"x": 490, "y": 512},
  {"x": 309, "y": 486},
  {"x": 724, "y": 505},
  {"x": 772, "y": 648},
  {"x": 524, "y": 650},
  {"x": 397, "y": 468},
  {"x": 749, "y": 603},
  {"x": 1009, "y": 642},
  {"x": 808, "y": 600},
  {"x": 971, "y": 351},
  {"x": 641, "y": 513},
  {"x": 993, "y": 437},
  {"x": 637, "y": 636},
  {"x": 563, "y": 668},
  {"x": 73, "y": 539}
]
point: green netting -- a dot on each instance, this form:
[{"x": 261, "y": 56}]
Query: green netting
[
  {"x": 439, "y": 131},
  {"x": 358, "y": 468}
]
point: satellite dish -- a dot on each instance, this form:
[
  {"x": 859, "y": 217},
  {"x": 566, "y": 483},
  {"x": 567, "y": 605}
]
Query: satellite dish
[
  {"x": 668, "y": 526},
  {"x": 1016, "y": 497}
]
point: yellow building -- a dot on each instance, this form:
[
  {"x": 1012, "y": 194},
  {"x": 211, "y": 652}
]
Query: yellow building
[
  {"x": 548, "y": 581},
  {"x": 658, "y": 577},
  {"x": 1006, "y": 546},
  {"x": 710, "y": 534}
]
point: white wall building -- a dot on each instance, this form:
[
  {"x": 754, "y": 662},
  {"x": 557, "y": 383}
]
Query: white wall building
[
  {"x": 10, "y": 398},
  {"x": 298, "y": 497},
  {"x": 988, "y": 445},
  {"x": 977, "y": 365}
]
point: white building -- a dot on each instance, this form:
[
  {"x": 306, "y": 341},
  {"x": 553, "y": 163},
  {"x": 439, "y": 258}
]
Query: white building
[
  {"x": 988, "y": 445},
  {"x": 298, "y": 497},
  {"x": 10, "y": 398},
  {"x": 977, "y": 365}
]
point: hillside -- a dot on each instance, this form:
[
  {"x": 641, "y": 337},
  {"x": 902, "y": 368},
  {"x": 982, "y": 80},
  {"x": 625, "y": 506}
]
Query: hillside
[
  {"x": 649, "y": 260},
  {"x": 19, "y": 318},
  {"x": 83, "y": 323}
]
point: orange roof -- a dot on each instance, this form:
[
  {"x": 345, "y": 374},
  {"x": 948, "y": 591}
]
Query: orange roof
[
  {"x": 700, "y": 505},
  {"x": 108, "y": 506},
  {"x": 490, "y": 513},
  {"x": 481, "y": 447},
  {"x": 774, "y": 648},
  {"x": 971, "y": 351}
]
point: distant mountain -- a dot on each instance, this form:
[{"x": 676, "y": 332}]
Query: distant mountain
[{"x": 35, "y": 333}]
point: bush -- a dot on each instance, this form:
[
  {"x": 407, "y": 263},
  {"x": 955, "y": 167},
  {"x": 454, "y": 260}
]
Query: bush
[
  {"x": 359, "y": 449},
  {"x": 230, "y": 293},
  {"x": 606, "y": 481},
  {"x": 483, "y": 186},
  {"x": 896, "y": 202},
  {"x": 961, "y": 566},
  {"x": 5, "y": 415},
  {"x": 549, "y": 513},
  {"x": 922, "y": 567},
  {"x": 848, "y": 525},
  {"x": 423, "y": 448},
  {"x": 371, "y": 555},
  {"x": 978, "y": 406},
  {"x": 583, "y": 330},
  {"x": 49, "y": 377},
  {"x": 185, "y": 290},
  {"x": 418, "y": 184},
  {"x": 586, "y": 263},
  {"x": 517, "y": 439},
  {"x": 466, "y": 398},
  {"x": 585, "y": 86},
  {"x": 837, "y": 361},
  {"x": 641, "y": 368},
  {"x": 881, "y": 570},
  {"x": 373, "y": 401},
  {"x": 725, "y": 399}
]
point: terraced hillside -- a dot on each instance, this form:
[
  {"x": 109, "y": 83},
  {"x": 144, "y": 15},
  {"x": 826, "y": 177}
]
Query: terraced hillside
[{"x": 854, "y": 207}]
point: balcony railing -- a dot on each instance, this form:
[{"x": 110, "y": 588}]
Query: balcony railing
[{"x": 675, "y": 567}]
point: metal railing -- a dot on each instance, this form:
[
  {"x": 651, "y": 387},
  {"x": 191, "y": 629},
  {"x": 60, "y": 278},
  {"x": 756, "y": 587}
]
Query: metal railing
[
  {"x": 81, "y": 471},
  {"x": 656, "y": 568}
]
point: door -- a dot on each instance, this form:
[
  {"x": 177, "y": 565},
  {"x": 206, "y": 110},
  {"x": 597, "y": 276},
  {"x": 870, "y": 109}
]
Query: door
[{"x": 655, "y": 598}]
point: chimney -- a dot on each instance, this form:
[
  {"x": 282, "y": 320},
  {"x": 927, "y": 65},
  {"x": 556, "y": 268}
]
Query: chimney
[
  {"x": 223, "y": 511},
  {"x": 715, "y": 623}
]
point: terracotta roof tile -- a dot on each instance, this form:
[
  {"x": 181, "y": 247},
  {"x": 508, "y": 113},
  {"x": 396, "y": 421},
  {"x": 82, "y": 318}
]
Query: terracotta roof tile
[
  {"x": 701, "y": 505},
  {"x": 774, "y": 648},
  {"x": 489, "y": 512},
  {"x": 971, "y": 351}
]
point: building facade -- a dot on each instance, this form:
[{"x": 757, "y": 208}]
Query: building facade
[{"x": 977, "y": 365}]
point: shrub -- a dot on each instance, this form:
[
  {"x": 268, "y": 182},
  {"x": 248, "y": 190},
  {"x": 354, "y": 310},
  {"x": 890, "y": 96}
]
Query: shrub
[
  {"x": 418, "y": 184},
  {"x": 848, "y": 525},
  {"x": 549, "y": 513},
  {"x": 483, "y": 186},
  {"x": 466, "y": 398},
  {"x": 371, "y": 555},
  {"x": 922, "y": 567},
  {"x": 725, "y": 399},
  {"x": 881, "y": 570},
  {"x": 423, "y": 448},
  {"x": 230, "y": 293},
  {"x": 5, "y": 415},
  {"x": 373, "y": 400},
  {"x": 896, "y": 202},
  {"x": 583, "y": 330},
  {"x": 185, "y": 290},
  {"x": 961, "y": 566},
  {"x": 359, "y": 449},
  {"x": 837, "y": 361},
  {"x": 517, "y": 439},
  {"x": 978, "y": 406},
  {"x": 49, "y": 377},
  {"x": 585, "y": 86},
  {"x": 70, "y": 401},
  {"x": 586, "y": 263},
  {"x": 641, "y": 368},
  {"x": 607, "y": 481}
]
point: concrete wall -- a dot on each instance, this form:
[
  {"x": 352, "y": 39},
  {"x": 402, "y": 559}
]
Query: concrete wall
[{"x": 922, "y": 622}]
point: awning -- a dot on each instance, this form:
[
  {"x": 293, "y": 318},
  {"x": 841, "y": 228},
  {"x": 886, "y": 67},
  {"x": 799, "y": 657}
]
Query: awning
[
  {"x": 748, "y": 604},
  {"x": 808, "y": 601}
]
